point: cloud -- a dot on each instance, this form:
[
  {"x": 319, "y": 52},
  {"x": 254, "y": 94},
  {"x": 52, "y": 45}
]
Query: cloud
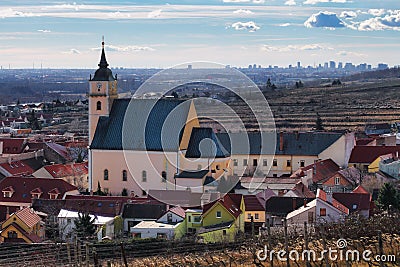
[
  {"x": 324, "y": 19},
  {"x": 245, "y": 1},
  {"x": 376, "y": 12},
  {"x": 388, "y": 22},
  {"x": 251, "y": 26},
  {"x": 290, "y": 3},
  {"x": 11, "y": 13},
  {"x": 44, "y": 31},
  {"x": 72, "y": 51},
  {"x": 313, "y": 2},
  {"x": 243, "y": 12},
  {"x": 348, "y": 14},
  {"x": 348, "y": 53},
  {"x": 284, "y": 25},
  {"x": 289, "y": 48},
  {"x": 155, "y": 13},
  {"x": 128, "y": 48}
]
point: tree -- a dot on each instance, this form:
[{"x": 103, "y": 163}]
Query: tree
[
  {"x": 269, "y": 84},
  {"x": 388, "y": 197},
  {"x": 98, "y": 191},
  {"x": 318, "y": 123},
  {"x": 84, "y": 225},
  {"x": 175, "y": 94},
  {"x": 33, "y": 121},
  {"x": 124, "y": 192}
]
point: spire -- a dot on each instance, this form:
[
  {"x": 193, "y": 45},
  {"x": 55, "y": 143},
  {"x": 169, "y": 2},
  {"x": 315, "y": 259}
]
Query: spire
[{"x": 103, "y": 61}]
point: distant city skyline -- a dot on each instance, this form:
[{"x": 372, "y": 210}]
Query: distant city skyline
[{"x": 160, "y": 34}]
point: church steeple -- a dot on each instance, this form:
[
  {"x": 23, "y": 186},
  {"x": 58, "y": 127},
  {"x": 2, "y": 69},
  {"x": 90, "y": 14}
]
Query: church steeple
[
  {"x": 103, "y": 61},
  {"x": 103, "y": 73}
]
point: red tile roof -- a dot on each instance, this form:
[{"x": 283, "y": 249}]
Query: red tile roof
[
  {"x": 364, "y": 141},
  {"x": 353, "y": 201},
  {"x": 17, "y": 168},
  {"x": 13, "y": 145},
  {"x": 252, "y": 203},
  {"x": 60, "y": 150},
  {"x": 367, "y": 154},
  {"x": 231, "y": 203},
  {"x": 361, "y": 190},
  {"x": 302, "y": 191},
  {"x": 23, "y": 187},
  {"x": 321, "y": 170},
  {"x": 178, "y": 211},
  {"x": 64, "y": 170},
  {"x": 28, "y": 216}
]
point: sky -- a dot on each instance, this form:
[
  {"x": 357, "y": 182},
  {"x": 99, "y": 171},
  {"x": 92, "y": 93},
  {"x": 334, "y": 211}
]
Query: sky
[{"x": 161, "y": 34}]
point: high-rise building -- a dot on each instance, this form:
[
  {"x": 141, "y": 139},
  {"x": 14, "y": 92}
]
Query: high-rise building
[{"x": 332, "y": 64}]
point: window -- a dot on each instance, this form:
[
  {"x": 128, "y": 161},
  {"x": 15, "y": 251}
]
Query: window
[
  {"x": 162, "y": 235},
  {"x": 302, "y": 163},
  {"x": 98, "y": 105},
  {"x": 7, "y": 194},
  {"x": 199, "y": 167},
  {"x": 256, "y": 216},
  {"x": 105, "y": 175},
  {"x": 274, "y": 175},
  {"x": 224, "y": 232},
  {"x": 254, "y": 162},
  {"x": 218, "y": 214},
  {"x": 322, "y": 212},
  {"x": 144, "y": 193},
  {"x": 137, "y": 235},
  {"x": 144, "y": 176},
  {"x": 12, "y": 234},
  {"x": 310, "y": 217},
  {"x": 249, "y": 216},
  {"x": 354, "y": 206},
  {"x": 337, "y": 180},
  {"x": 235, "y": 162},
  {"x": 217, "y": 167},
  {"x": 106, "y": 190},
  {"x": 275, "y": 162},
  {"x": 189, "y": 218},
  {"x": 124, "y": 175},
  {"x": 265, "y": 162},
  {"x": 169, "y": 217},
  {"x": 197, "y": 219},
  {"x": 245, "y": 162},
  {"x": 288, "y": 163},
  {"x": 164, "y": 176}
]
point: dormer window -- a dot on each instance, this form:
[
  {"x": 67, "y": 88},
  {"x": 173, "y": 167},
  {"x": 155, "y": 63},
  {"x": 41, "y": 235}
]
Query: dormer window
[
  {"x": 8, "y": 192},
  {"x": 36, "y": 193}
]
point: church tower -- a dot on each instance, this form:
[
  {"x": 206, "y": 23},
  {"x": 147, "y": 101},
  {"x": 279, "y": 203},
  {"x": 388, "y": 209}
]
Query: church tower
[{"x": 102, "y": 92}]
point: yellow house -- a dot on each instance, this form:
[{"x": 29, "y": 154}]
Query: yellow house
[
  {"x": 254, "y": 210},
  {"x": 23, "y": 226},
  {"x": 292, "y": 150},
  {"x": 223, "y": 219}
]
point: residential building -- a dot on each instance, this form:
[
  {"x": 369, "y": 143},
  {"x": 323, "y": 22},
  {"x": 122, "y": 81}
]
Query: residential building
[
  {"x": 280, "y": 186},
  {"x": 390, "y": 164},
  {"x": 367, "y": 158},
  {"x": 133, "y": 214},
  {"x": 342, "y": 181},
  {"x": 223, "y": 219},
  {"x": 154, "y": 229},
  {"x": 73, "y": 173},
  {"x": 293, "y": 151},
  {"x": 23, "y": 226},
  {"x": 278, "y": 207},
  {"x": 320, "y": 210},
  {"x": 254, "y": 215}
]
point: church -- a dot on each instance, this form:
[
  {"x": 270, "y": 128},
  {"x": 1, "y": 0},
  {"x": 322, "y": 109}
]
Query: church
[{"x": 137, "y": 145}]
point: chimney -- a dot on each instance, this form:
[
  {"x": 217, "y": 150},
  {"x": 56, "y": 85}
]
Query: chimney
[
  {"x": 8, "y": 213},
  {"x": 294, "y": 203},
  {"x": 305, "y": 202},
  {"x": 280, "y": 141},
  {"x": 297, "y": 135}
]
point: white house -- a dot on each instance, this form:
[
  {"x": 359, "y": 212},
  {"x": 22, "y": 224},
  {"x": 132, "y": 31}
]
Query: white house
[
  {"x": 66, "y": 224},
  {"x": 151, "y": 229},
  {"x": 319, "y": 210}
]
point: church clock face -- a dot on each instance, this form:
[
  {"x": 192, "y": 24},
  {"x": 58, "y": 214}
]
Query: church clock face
[{"x": 98, "y": 85}]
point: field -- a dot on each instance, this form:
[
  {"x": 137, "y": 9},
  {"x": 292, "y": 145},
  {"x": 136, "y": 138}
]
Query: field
[{"x": 346, "y": 107}]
